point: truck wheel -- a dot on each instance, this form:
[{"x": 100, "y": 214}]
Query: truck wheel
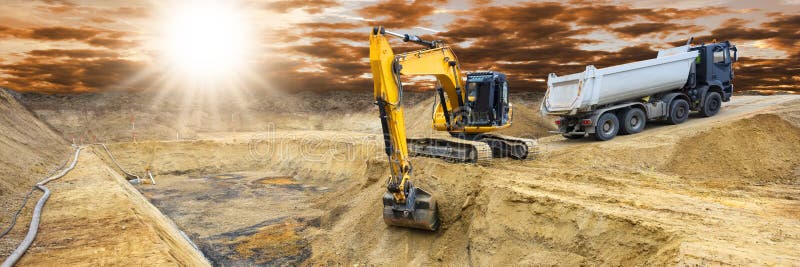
[
  {"x": 633, "y": 121},
  {"x": 711, "y": 105},
  {"x": 678, "y": 111},
  {"x": 607, "y": 127}
]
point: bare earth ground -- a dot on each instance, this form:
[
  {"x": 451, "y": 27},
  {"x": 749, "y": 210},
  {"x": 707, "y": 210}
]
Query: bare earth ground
[
  {"x": 97, "y": 218},
  {"x": 721, "y": 190},
  {"x": 29, "y": 150}
]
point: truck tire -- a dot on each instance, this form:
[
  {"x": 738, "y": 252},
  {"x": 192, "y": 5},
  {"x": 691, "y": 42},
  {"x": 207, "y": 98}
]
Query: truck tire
[
  {"x": 633, "y": 121},
  {"x": 711, "y": 105},
  {"x": 607, "y": 127},
  {"x": 678, "y": 111}
]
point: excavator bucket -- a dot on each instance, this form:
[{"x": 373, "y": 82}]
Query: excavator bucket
[{"x": 419, "y": 211}]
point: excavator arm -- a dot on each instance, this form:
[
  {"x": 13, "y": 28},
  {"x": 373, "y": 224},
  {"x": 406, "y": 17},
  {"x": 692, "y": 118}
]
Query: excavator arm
[{"x": 404, "y": 204}]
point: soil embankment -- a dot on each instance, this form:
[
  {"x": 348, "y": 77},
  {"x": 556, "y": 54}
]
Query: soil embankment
[{"x": 93, "y": 217}]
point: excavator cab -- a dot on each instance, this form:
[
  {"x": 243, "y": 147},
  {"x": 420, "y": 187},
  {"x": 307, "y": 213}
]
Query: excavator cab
[{"x": 487, "y": 99}]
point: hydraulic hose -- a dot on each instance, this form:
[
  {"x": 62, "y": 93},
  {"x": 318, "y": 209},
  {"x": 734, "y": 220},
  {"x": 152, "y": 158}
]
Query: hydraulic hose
[{"x": 37, "y": 213}]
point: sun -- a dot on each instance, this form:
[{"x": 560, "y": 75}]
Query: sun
[{"x": 206, "y": 41}]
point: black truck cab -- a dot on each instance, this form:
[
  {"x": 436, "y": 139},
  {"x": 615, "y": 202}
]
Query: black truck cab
[{"x": 713, "y": 70}]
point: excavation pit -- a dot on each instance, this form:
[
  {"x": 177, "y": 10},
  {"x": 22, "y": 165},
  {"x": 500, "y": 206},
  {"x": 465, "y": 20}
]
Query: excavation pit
[
  {"x": 313, "y": 198},
  {"x": 252, "y": 212},
  {"x": 243, "y": 218}
]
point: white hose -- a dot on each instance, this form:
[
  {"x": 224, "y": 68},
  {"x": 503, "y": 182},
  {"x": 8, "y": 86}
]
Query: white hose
[
  {"x": 37, "y": 213},
  {"x": 138, "y": 179}
]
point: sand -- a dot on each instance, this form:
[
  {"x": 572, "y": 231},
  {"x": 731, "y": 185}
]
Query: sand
[{"x": 720, "y": 190}]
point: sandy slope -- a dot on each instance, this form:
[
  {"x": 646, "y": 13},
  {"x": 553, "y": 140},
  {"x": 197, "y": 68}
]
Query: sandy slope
[
  {"x": 93, "y": 217},
  {"x": 29, "y": 151}
]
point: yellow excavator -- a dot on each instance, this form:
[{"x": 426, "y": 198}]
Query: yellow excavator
[{"x": 468, "y": 110}]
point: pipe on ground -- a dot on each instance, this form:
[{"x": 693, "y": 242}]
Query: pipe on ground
[
  {"x": 37, "y": 214},
  {"x": 129, "y": 174}
]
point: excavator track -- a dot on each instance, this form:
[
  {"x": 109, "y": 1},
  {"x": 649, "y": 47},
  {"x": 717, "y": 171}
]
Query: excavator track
[
  {"x": 513, "y": 147},
  {"x": 451, "y": 149}
]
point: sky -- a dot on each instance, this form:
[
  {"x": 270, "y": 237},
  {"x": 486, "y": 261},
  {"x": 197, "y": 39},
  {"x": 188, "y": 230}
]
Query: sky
[{"x": 74, "y": 46}]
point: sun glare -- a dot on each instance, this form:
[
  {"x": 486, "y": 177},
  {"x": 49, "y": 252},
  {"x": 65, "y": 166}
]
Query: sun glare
[{"x": 206, "y": 41}]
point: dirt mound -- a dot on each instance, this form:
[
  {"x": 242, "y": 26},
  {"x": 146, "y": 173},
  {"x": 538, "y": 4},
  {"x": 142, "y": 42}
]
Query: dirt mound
[
  {"x": 761, "y": 149},
  {"x": 30, "y": 150}
]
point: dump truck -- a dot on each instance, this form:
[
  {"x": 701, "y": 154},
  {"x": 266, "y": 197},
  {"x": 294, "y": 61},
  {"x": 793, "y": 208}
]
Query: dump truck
[{"x": 621, "y": 99}]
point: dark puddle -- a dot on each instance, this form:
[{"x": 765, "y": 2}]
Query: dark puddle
[{"x": 276, "y": 242}]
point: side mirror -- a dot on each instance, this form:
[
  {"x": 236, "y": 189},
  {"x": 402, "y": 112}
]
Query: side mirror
[{"x": 735, "y": 53}]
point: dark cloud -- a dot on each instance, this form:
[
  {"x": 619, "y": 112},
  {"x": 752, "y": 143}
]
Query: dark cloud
[
  {"x": 400, "y": 13},
  {"x": 9, "y": 32},
  {"x": 525, "y": 40},
  {"x": 91, "y": 36},
  {"x": 787, "y": 28},
  {"x": 283, "y": 73},
  {"x": 57, "y": 33},
  {"x": 101, "y": 20},
  {"x": 111, "y": 43},
  {"x": 310, "y": 6},
  {"x": 329, "y": 25},
  {"x": 768, "y": 74},
  {"x": 78, "y": 72},
  {"x": 780, "y": 33},
  {"x": 757, "y": 73},
  {"x": 530, "y": 40},
  {"x": 130, "y": 12},
  {"x": 63, "y": 33},
  {"x": 59, "y": 6},
  {"x": 646, "y": 28},
  {"x": 604, "y": 15},
  {"x": 76, "y": 53}
]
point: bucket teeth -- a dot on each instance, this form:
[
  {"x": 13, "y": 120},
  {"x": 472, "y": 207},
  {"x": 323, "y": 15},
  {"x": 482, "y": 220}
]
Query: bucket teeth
[{"x": 420, "y": 211}]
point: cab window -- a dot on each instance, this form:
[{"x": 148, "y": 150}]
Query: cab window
[
  {"x": 472, "y": 90},
  {"x": 719, "y": 55},
  {"x": 505, "y": 92}
]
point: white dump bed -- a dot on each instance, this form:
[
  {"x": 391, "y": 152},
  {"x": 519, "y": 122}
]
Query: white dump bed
[{"x": 580, "y": 91}]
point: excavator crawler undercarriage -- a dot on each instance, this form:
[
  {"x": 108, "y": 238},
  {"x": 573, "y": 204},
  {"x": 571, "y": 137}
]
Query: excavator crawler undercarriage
[{"x": 478, "y": 149}]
